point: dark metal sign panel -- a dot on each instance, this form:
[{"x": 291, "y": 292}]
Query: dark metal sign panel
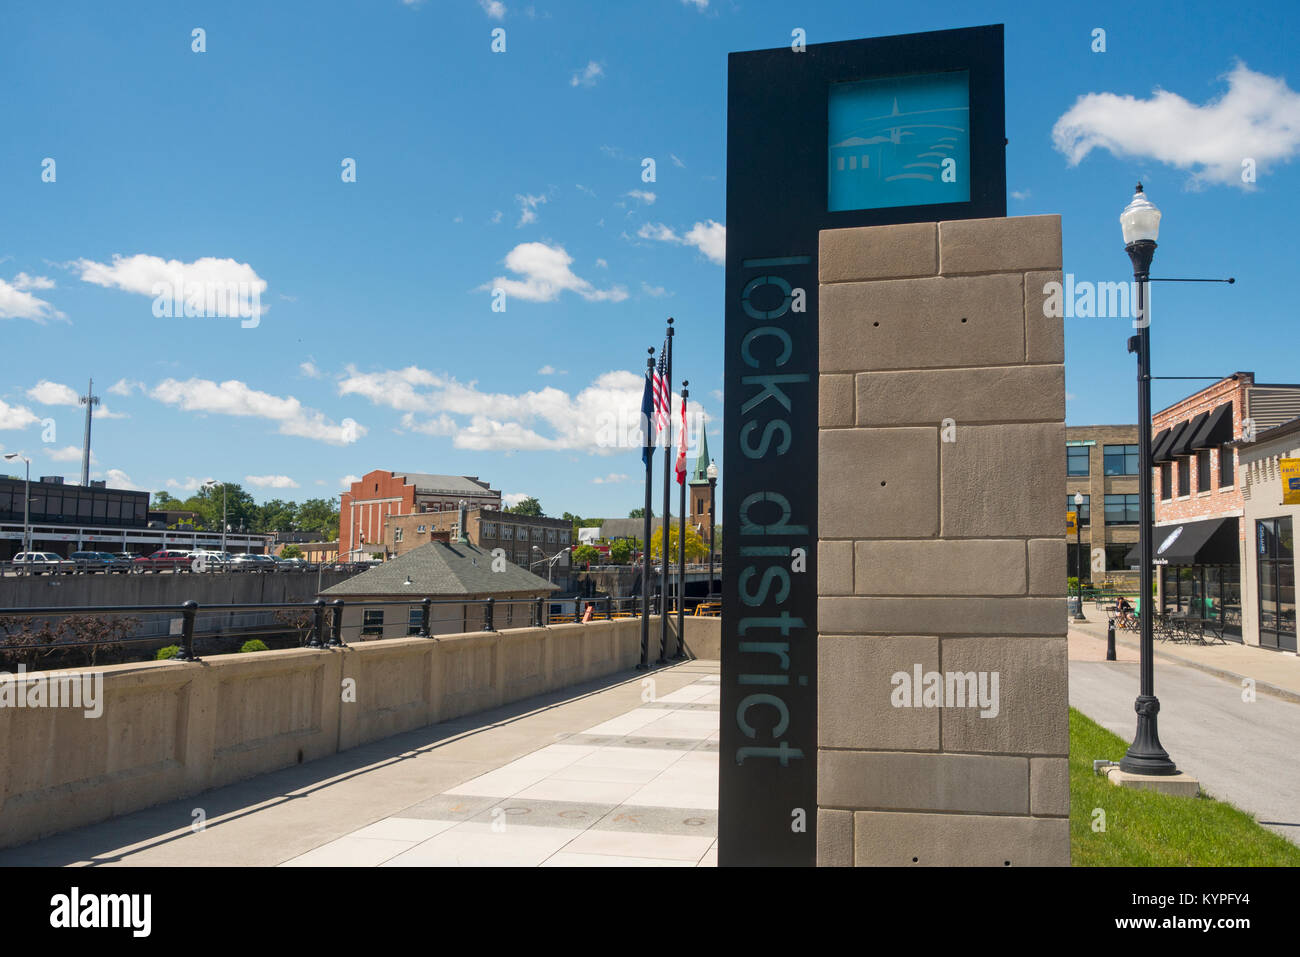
[{"x": 863, "y": 133}]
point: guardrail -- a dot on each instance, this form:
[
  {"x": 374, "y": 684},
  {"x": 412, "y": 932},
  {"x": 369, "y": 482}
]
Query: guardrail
[{"x": 28, "y": 635}]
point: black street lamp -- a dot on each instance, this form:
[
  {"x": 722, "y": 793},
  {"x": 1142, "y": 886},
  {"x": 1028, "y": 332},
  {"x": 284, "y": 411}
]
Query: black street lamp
[
  {"x": 712, "y": 473},
  {"x": 1140, "y": 223},
  {"x": 1078, "y": 554}
]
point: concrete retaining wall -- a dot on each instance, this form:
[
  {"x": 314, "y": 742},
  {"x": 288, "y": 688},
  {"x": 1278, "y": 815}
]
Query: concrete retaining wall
[{"x": 170, "y": 729}]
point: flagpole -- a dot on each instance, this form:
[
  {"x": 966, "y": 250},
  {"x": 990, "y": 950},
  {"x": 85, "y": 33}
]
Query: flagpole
[
  {"x": 648, "y": 454},
  {"x": 681, "y": 537},
  {"x": 667, "y": 515}
]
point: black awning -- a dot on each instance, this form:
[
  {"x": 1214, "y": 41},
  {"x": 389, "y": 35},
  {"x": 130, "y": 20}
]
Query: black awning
[
  {"x": 1158, "y": 443},
  {"x": 1183, "y": 446},
  {"x": 1210, "y": 542},
  {"x": 1217, "y": 429},
  {"x": 1162, "y": 454}
]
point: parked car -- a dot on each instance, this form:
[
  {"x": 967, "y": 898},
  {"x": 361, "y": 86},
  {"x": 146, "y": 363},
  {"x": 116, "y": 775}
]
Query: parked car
[
  {"x": 165, "y": 559},
  {"x": 209, "y": 560},
  {"x": 106, "y": 562},
  {"x": 38, "y": 563},
  {"x": 253, "y": 563},
  {"x": 293, "y": 564}
]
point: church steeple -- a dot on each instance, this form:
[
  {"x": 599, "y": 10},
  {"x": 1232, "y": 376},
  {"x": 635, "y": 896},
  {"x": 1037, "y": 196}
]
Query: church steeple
[{"x": 700, "y": 475}]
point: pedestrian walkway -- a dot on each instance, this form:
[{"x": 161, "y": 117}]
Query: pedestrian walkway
[
  {"x": 1273, "y": 672},
  {"x": 622, "y": 772}
]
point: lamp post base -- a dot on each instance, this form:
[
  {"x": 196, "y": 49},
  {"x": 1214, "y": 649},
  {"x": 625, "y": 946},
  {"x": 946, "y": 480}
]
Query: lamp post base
[{"x": 1145, "y": 755}]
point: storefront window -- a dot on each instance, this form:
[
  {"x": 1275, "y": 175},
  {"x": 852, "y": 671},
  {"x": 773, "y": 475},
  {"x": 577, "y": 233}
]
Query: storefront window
[
  {"x": 1275, "y": 558},
  {"x": 1184, "y": 476}
]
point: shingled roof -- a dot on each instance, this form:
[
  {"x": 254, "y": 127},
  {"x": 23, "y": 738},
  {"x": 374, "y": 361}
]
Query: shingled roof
[{"x": 442, "y": 568}]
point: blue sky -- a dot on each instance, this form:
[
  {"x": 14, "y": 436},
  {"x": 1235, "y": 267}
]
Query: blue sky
[{"x": 377, "y": 346}]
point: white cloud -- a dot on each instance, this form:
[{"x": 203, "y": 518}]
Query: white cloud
[
  {"x": 528, "y": 208},
  {"x": 52, "y": 393},
  {"x": 676, "y": 162},
  {"x": 546, "y": 370},
  {"x": 69, "y": 453},
  {"x": 588, "y": 75},
  {"x": 1258, "y": 118},
  {"x": 1020, "y": 194},
  {"x": 610, "y": 479},
  {"x": 203, "y": 283},
  {"x": 596, "y": 419},
  {"x": 124, "y": 387},
  {"x": 657, "y": 292},
  {"x": 497, "y": 216},
  {"x": 602, "y": 264},
  {"x": 24, "y": 281},
  {"x": 546, "y": 274},
  {"x": 698, "y": 4},
  {"x": 17, "y": 303},
  {"x": 708, "y": 237},
  {"x": 711, "y": 239},
  {"x": 511, "y": 499},
  {"x": 642, "y": 195},
  {"x": 310, "y": 370},
  {"x": 16, "y": 416},
  {"x": 586, "y": 189},
  {"x": 493, "y": 8},
  {"x": 347, "y": 481},
  {"x": 116, "y": 478},
  {"x": 270, "y": 481},
  {"x": 233, "y": 397}
]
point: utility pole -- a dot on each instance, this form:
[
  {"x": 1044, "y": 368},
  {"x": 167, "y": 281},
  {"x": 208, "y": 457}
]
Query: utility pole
[{"x": 89, "y": 400}]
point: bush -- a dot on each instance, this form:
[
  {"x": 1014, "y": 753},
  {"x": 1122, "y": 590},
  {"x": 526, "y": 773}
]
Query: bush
[
  {"x": 255, "y": 644},
  {"x": 1072, "y": 583},
  {"x": 162, "y": 654}
]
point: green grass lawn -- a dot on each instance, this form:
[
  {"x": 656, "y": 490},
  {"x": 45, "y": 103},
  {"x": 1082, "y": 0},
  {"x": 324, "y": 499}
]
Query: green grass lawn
[{"x": 1143, "y": 828}]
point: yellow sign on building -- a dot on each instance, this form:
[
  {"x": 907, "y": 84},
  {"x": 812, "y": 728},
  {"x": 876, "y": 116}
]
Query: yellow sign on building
[
  {"x": 1071, "y": 522},
  {"x": 1289, "y": 469}
]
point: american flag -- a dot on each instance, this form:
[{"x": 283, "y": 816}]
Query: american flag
[
  {"x": 680, "y": 467},
  {"x": 662, "y": 398}
]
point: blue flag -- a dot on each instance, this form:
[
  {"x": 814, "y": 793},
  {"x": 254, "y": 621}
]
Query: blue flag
[{"x": 647, "y": 421}]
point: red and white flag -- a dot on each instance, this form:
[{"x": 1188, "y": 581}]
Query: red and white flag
[
  {"x": 663, "y": 400},
  {"x": 681, "y": 448}
]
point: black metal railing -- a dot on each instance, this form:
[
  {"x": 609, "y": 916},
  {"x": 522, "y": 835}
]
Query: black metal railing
[{"x": 29, "y": 635}]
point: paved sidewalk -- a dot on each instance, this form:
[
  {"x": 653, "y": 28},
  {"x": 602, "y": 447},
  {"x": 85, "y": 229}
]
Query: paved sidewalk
[
  {"x": 621, "y": 772},
  {"x": 1274, "y": 672}
]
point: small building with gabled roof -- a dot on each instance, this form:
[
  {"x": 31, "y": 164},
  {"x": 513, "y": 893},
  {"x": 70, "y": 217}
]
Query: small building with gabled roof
[{"x": 385, "y": 602}]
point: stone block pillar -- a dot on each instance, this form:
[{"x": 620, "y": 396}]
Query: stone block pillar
[{"x": 941, "y": 553}]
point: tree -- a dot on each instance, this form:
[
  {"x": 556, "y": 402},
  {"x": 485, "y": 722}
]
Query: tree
[
  {"x": 584, "y": 554},
  {"x": 620, "y": 552},
  {"x": 636, "y": 513},
  {"x": 165, "y": 500},
  {"x": 291, "y": 551},
  {"x": 276, "y": 515},
  {"x": 697, "y": 549},
  {"x": 319, "y": 515},
  {"x": 528, "y": 506}
]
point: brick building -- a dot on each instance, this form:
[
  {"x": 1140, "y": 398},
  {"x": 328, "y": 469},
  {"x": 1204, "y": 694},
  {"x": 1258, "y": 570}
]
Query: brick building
[
  {"x": 1101, "y": 463},
  {"x": 1200, "y": 541},
  {"x": 380, "y": 494},
  {"x": 517, "y": 535}
]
